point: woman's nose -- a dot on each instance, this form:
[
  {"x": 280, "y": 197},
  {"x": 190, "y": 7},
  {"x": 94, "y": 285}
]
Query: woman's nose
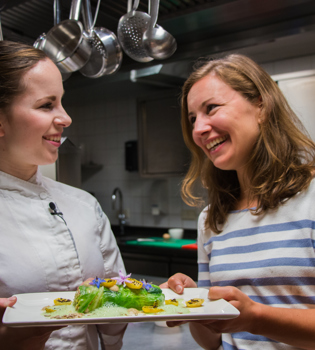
[
  {"x": 201, "y": 126},
  {"x": 63, "y": 119}
]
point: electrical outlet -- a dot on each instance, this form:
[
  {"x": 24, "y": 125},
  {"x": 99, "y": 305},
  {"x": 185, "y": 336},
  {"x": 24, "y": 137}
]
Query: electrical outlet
[{"x": 188, "y": 214}]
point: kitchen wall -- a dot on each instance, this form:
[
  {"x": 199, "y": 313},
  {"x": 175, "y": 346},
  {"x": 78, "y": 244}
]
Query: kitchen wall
[{"x": 105, "y": 117}]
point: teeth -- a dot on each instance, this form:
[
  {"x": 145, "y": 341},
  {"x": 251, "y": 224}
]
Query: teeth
[
  {"x": 215, "y": 142},
  {"x": 52, "y": 138}
]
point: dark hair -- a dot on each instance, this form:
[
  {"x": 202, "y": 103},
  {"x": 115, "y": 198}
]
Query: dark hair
[
  {"x": 15, "y": 60},
  {"x": 282, "y": 159}
]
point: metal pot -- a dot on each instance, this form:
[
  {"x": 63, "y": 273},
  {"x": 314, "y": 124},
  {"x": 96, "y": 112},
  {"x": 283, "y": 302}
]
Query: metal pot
[
  {"x": 106, "y": 55},
  {"x": 40, "y": 41},
  {"x": 67, "y": 44}
]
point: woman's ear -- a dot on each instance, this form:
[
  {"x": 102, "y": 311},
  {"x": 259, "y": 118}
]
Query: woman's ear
[{"x": 261, "y": 116}]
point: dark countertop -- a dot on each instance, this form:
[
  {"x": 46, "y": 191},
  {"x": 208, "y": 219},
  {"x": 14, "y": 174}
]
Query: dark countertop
[
  {"x": 156, "y": 260},
  {"x": 132, "y": 233},
  {"x": 141, "y": 231}
]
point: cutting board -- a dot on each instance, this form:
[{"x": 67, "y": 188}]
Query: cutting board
[{"x": 163, "y": 243}]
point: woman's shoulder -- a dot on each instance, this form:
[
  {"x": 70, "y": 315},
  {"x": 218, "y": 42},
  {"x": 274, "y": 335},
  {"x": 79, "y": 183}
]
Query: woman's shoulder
[
  {"x": 67, "y": 190},
  {"x": 202, "y": 219}
]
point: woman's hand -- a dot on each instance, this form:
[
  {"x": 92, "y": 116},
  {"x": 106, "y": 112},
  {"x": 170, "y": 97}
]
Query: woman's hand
[
  {"x": 207, "y": 333},
  {"x": 22, "y": 338},
  {"x": 87, "y": 282},
  {"x": 6, "y": 302},
  {"x": 248, "y": 311},
  {"x": 178, "y": 282}
]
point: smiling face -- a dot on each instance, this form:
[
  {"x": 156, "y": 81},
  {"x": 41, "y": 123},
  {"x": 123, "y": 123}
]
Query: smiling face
[
  {"x": 225, "y": 124},
  {"x": 31, "y": 128}
]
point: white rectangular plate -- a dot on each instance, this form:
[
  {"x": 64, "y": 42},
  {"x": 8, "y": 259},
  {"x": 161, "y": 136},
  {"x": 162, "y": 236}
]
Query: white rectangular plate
[{"x": 28, "y": 310}]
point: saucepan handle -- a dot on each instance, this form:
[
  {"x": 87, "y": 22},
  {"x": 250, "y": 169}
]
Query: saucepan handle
[
  {"x": 1, "y": 35},
  {"x": 56, "y": 12},
  {"x": 89, "y": 22},
  {"x": 75, "y": 9}
]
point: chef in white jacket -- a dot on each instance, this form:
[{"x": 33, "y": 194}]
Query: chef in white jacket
[{"x": 53, "y": 236}]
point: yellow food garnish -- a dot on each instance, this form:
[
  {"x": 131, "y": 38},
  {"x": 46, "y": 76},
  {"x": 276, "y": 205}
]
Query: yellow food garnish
[
  {"x": 108, "y": 283},
  {"x": 194, "y": 302},
  {"x": 133, "y": 284},
  {"x": 171, "y": 302},
  {"x": 151, "y": 309},
  {"x": 48, "y": 309},
  {"x": 62, "y": 301}
]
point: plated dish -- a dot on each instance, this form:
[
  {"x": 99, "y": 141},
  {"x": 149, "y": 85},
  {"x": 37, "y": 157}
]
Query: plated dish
[{"x": 28, "y": 310}]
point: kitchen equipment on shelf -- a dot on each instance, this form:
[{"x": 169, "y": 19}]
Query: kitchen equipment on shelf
[
  {"x": 106, "y": 56},
  {"x": 131, "y": 28},
  {"x": 67, "y": 44},
  {"x": 40, "y": 41},
  {"x": 158, "y": 42}
]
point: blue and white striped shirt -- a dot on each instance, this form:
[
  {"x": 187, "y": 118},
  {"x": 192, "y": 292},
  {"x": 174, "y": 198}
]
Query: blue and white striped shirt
[{"x": 269, "y": 257}]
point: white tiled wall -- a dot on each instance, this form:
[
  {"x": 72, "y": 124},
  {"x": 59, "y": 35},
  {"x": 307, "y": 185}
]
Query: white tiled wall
[
  {"x": 102, "y": 122},
  {"x": 104, "y": 118}
]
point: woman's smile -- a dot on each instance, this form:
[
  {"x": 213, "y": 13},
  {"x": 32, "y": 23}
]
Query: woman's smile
[
  {"x": 32, "y": 129},
  {"x": 225, "y": 124}
]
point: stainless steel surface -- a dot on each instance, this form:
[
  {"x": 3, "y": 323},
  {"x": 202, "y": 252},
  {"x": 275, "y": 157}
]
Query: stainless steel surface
[
  {"x": 267, "y": 31},
  {"x": 158, "y": 42},
  {"x": 131, "y": 28},
  {"x": 40, "y": 41},
  {"x": 161, "y": 156},
  {"x": 106, "y": 56},
  {"x": 121, "y": 214},
  {"x": 67, "y": 44}
]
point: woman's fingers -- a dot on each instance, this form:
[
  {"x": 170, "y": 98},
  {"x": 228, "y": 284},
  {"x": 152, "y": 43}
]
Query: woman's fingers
[{"x": 6, "y": 302}]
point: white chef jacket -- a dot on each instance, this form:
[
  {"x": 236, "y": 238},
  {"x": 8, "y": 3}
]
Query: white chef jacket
[{"x": 39, "y": 252}]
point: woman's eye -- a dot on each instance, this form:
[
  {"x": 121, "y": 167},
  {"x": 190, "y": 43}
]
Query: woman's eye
[
  {"x": 192, "y": 120},
  {"x": 47, "y": 105},
  {"x": 211, "y": 107}
]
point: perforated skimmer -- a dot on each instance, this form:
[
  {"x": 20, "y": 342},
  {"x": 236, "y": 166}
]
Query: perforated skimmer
[{"x": 131, "y": 28}]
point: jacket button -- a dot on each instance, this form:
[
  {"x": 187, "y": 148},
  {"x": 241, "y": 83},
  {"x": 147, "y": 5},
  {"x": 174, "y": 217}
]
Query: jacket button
[{"x": 43, "y": 195}]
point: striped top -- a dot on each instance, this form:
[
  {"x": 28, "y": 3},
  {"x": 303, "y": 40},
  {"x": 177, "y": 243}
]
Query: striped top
[{"x": 269, "y": 257}]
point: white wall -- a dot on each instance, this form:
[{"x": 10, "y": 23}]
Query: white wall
[{"x": 104, "y": 118}]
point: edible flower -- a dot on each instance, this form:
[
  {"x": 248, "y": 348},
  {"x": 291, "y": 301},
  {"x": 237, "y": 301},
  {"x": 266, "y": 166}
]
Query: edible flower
[
  {"x": 146, "y": 285},
  {"x": 97, "y": 282},
  {"x": 122, "y": 279}
]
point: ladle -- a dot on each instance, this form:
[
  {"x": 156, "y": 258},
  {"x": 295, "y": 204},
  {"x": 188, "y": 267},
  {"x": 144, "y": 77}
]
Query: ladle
[
  {"x": 158, "y": 42},
  {"x": 131, "y": 28}
]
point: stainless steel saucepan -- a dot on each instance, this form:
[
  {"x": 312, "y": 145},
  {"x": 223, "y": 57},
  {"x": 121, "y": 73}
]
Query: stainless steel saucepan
[
  {"x": 40, "y": 41},
  {"x": 67, "y": 44},
  {"x": 106, "y": 54}
]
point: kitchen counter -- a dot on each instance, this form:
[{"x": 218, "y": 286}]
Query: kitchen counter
[{"x": 160, "y": 259}]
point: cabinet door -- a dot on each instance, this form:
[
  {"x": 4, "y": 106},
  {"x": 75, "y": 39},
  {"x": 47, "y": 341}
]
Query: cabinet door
[
  {"x": 300, "y": 93},
  {"x": 162, "y": 151}
]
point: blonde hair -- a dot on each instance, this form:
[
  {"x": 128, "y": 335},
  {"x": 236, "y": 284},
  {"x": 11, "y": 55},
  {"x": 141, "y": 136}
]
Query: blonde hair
[{"x": 282, "y": 159}]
